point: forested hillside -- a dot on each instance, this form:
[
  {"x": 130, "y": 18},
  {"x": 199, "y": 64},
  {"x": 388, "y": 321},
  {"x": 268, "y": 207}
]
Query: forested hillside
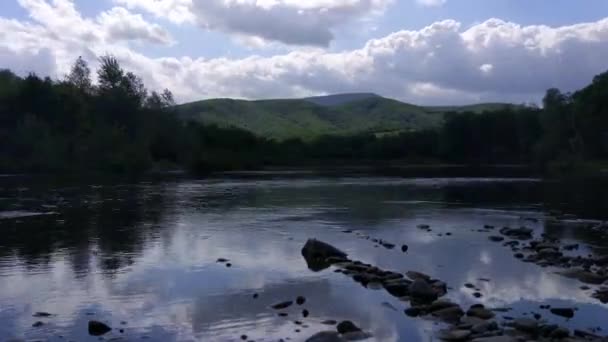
[{"x": 117, "y": 126}]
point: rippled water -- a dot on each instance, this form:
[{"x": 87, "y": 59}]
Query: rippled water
[{"x": 142, "y": 257}]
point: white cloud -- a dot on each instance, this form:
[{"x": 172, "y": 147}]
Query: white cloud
[
  {"x": 439, "y": 64},
  {"x": 432, "y": 3},
  {"x": 293, "y": 22},
  {"x": 120, "y": 24}
]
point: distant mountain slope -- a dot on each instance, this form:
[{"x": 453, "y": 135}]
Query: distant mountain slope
[
  {"x": 339, "y": 99},
  {"x": 311, "y": 117}
]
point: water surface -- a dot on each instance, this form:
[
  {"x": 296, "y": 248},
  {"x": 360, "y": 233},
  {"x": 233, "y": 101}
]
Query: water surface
[{"x": 142, "y": 256}]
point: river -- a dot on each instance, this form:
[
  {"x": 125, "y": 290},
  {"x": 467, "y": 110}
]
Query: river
[{"x": 142, "y": 257}]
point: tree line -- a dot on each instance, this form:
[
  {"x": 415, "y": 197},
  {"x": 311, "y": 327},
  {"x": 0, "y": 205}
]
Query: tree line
[{"x": 118, "y": 126}]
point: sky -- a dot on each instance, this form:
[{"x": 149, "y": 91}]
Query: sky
[{"x": 431, "y": 52}]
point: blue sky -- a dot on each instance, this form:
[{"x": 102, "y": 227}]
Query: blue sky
[{"x": 289, "y": 48}]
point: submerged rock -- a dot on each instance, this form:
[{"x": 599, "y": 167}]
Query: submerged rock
[
  {"x": 356, "y": 336},
  {"x": 42, "y": 314},
  {"x": 98, "y": 328},
  {"x": 283, "y": 305},
  {"x": 38, "y": 324},
  {"x": 495, "y": 238},
  {"x": 454, "y": 335},
  {"x": 300, "y": 300},
  {"x": 527, "y": 325},
  {"x": 480, "y": 312},
  {"x": 404, "y": 248},
  {"x": 326, "y": 336},
  {"x": 563, "y": 312},
  {"x": 450, "y": 315},
  {"x": 519, "y": 233}
]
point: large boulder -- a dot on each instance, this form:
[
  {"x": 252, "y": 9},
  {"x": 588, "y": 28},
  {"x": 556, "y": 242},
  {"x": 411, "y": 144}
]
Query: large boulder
[{"x": 317, "y": 252}]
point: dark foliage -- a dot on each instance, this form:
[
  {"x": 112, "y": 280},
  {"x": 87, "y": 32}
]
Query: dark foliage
[{"x": 118, "y": 126}]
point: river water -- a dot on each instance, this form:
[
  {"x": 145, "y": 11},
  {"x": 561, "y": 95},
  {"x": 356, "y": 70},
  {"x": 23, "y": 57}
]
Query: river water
[{"x": 142, "y": 257}]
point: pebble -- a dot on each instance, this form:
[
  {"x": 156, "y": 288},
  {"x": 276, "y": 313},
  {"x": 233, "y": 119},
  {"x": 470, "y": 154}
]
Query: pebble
[{"x": 282, "y": 305}]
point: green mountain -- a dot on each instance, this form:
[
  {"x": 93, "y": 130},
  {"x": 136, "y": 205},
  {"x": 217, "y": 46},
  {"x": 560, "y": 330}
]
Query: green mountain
[{"x": 311, "y": 117}]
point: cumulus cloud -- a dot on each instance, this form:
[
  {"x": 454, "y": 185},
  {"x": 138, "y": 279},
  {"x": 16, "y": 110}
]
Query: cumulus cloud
[
  {"x": 432, "y": 3},
  {"x": 120, "y": 24},
  {"x": 293, "y": 22},
  {"x": 438, "y": 64}
]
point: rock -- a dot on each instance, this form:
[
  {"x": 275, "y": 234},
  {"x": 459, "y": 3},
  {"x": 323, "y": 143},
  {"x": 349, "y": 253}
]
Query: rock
[
  {"x": 563, "y": 312},
  {"x": 356, "y": 336},
  {"x": 283, "y": 305},
  {"x": 337, "y": 260},
  {"x": 305, "y": 313},
  {"x": 477, "y": 295},
  {"x": 484, "y": 327},
  {"x": 417, "y": 275},
  {"x": 495, "y": 238},
  {"x": 439, "y": 287},
  {"x": 422, "y": 291},
  {"x": 469, "y": 286},
  {"x": 502, "y": 338},
  {"x": 345, "y": 327},
  {"x": 584, "y": 276},
  {"x": 527, "y": 325},
  {"x": 397, "y": 289},
  {"x": 387, "y": 245},
  {"x": 300, "y": 300},
  {"x": 454, "y": 335},
  {"x": 549, "y": 253},
  {"x": 482, "y": 313},
  {"x": 546, "y": 330},
  {"x": 450, "y": 315},
  {"x": 222, "y": 260},
  {"x": 440, "y": 304},
  {"x": 413, "y": 312},
  {"x": 519, "y": 255},
  {"x": 244, "y": 337},
  {"x": 560, "y": 333},
  {"x": 228, "y": 265},
  {"x": 404, "y": 248},
  {"x": 283, "y": 314},
  {"x": 316, "y": 252},
  {"x": 571, "y": 247},
  {"x": 325, "y": 336},
  {"x": 42, "y": 314},
  {"x": 38, "y": 324},
  {"x": 329, "y": 322},
  {"x": 601, "y": 295},
  {"x": 424, "y": 226},
  {"x": 519, "y": 233},
  {"x": 98, "y": 328}
]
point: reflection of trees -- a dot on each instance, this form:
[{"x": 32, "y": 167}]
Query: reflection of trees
[{"x": 112, "y": 222}]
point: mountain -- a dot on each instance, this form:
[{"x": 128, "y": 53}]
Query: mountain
[
  {"x": 339, "y": 99},
  {"x": 314, "y": 116}
]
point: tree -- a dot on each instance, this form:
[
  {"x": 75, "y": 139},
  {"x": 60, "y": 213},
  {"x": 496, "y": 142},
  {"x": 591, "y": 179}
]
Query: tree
[
  {"x": 80, "y": 76},
  {"x": 110, "y": 75}
]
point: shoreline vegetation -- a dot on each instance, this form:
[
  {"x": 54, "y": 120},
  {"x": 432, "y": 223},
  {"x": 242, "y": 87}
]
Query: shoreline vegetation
[{"x": 117, "y": 127}]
